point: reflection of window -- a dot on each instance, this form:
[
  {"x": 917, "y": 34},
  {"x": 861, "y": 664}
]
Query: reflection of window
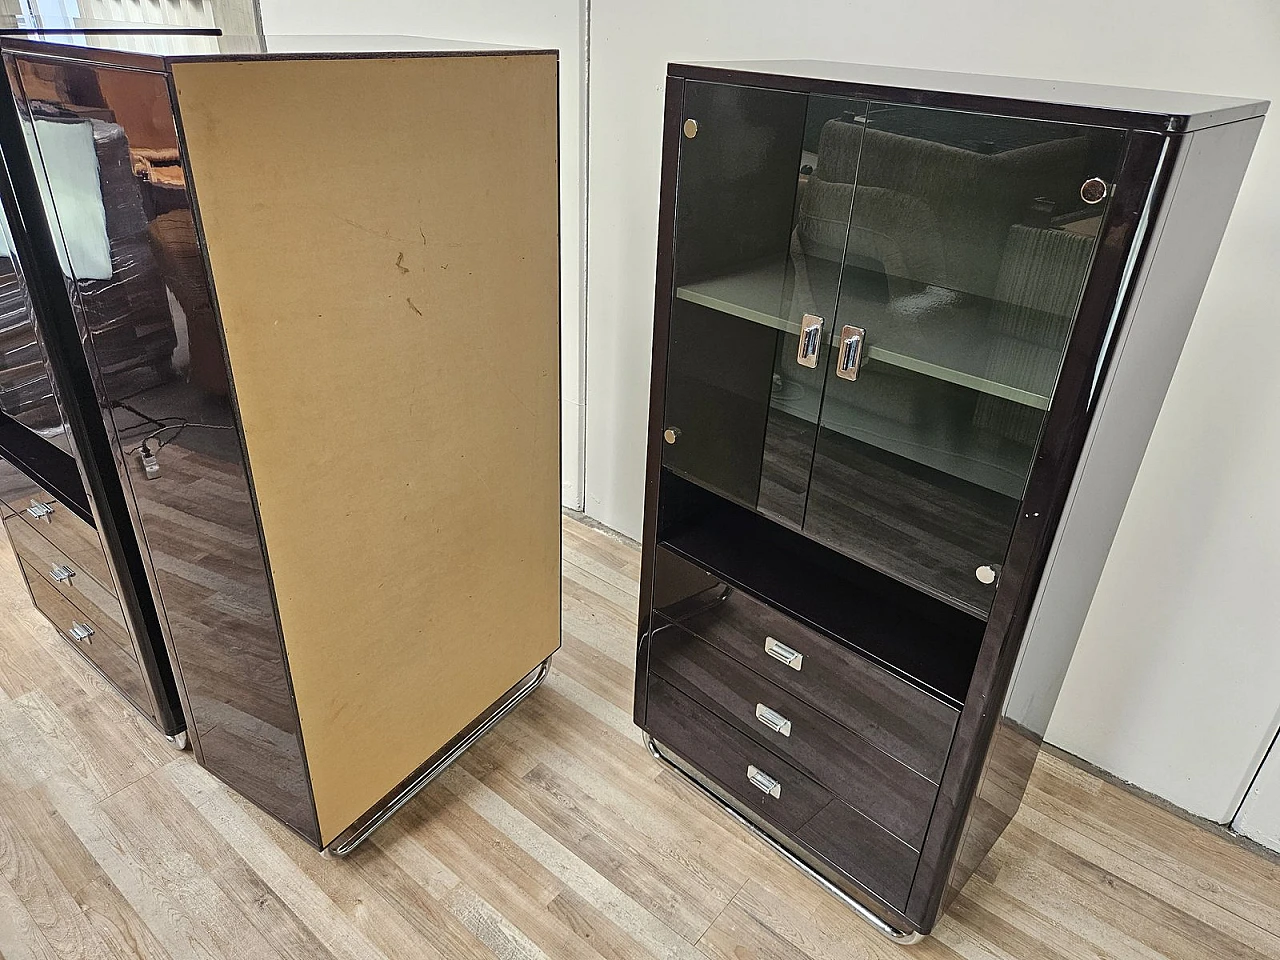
[
  {"x": 71, "y": 188},
  {"x": 233, "y": 17}
]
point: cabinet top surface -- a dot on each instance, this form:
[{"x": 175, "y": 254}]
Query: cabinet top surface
[
  {"x": 1128, "y": 107},
  {"x": 154, "y": 49}
]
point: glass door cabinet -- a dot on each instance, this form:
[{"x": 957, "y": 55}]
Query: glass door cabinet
[
  {"x": 911, "y": 335},
  {"x": 872, "y": 303}
]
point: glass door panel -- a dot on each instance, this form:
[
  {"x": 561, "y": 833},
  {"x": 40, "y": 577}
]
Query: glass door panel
[
  {"x": 969, "y": 244},
  {"x": 758, "y": 250}
]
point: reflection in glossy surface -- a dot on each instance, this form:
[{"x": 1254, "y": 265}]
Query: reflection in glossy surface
[
  {"x": 26, "y": 391},
  {"x": 155, "y": 354}
]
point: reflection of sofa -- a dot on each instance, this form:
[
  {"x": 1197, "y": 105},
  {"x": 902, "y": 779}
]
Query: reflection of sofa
[
  {"x": 129, "y": 314},
  {"x": 927, "y": 213}
]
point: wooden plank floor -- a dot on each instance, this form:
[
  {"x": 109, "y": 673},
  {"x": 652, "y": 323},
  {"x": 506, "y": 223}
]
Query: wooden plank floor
[{"x": 557, "y": 837}]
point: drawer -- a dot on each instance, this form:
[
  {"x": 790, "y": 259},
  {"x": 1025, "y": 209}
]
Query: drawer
[
  {"x": 886, "y": 790},
  {"x": 782, "y": 795},
  {"x": 56, "y": 523},
  {"x": 901, "y": 719},
  {"x": 66, "y": 576},
  {"x": 117, "y": 665}
]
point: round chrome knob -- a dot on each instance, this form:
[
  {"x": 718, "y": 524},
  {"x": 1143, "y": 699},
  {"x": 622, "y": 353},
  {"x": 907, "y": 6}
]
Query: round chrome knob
[
  {"x": 985, "y": 574},
  {"x": 691, "y": 128},
  {"x": 671, "y": 434},
  {"x": 1093, "y": 190}
]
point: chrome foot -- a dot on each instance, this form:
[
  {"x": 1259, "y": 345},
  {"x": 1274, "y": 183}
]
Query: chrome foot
[
  {"x": 886, "y": 930},
  {"x": 180, "y": 740}
]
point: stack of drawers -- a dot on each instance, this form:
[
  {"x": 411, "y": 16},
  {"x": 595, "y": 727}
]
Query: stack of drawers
[
  {"x": 834, "y": 751},
  {"x": 70, "y": 580}
]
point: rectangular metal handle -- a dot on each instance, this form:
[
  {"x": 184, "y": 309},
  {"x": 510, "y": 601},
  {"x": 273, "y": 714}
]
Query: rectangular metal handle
[
  {"x": 763, "y": 782},
  {"x": 850, "y": 357},
  {"x": 773, "y": 720},
  {"x": 79, "y": 631},
  {"x": 810, "y": 340},
  {"x": 783, "y": 654},
  {"x": 61, "y": 573},
  {"x": 40, "y": 510}
]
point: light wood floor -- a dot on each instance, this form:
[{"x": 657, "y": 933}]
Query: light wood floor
[{"x": 558, "y": 836}]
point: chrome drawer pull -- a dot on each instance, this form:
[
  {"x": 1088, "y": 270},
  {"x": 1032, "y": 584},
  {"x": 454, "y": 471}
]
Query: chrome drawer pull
[
  {"x": 850, "y": 357},
  {"x": 79, "y": 631},
  {"x": 763, "y": 782},
  {"x": 61, "y": 573},
  {"x": 40, "y": 510},
  {"x": 773, "y": 720},
  {"x": 810, "y": 340},
  {"x": 783, "y": 654}
]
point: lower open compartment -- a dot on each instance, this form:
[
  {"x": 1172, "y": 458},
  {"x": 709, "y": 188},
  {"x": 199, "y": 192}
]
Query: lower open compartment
[{"x": 931, "y": 644}]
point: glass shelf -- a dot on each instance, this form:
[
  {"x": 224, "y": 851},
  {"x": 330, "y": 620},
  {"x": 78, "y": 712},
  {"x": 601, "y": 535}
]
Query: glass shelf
[{"x": 938, "y": 333}]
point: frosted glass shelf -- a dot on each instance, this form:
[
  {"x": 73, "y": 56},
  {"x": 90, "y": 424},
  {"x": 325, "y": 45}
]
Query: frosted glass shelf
[{"x": 934, "y": 333}]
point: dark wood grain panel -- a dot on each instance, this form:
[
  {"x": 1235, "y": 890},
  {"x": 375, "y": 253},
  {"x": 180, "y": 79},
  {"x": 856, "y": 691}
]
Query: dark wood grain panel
[
  {"x": 856, "y": 845},
  {"x": 724, "y": 754},
  {"x": 58, "y": 524},
  {"x": 116, "y": 664},
  {"x": 887, "y": 791},
  {"x": 851, "y": 842},
  {"x": 898, "y": 718},
  {"x": 81, "y": 590}
]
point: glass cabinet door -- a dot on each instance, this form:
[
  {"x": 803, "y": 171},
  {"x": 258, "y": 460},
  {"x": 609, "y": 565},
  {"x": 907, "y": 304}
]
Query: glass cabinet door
[
  {"x": 968, "y": 246},
  {"x": 759, "y": 244}
]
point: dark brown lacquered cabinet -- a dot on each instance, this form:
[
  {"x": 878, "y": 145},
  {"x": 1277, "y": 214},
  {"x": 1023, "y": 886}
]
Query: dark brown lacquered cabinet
[
  {"x": 911, "y": 335},
  {"x": 328, "y": 471}
]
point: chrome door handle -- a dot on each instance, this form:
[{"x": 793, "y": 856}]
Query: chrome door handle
[
  {"x": 850, "y": 357},
  {"x": 773, "y": 720},
  {"x": 79, "y": 631},
  {"x": 783, "y": 654},
  {"x": 810, "y": 340},
  {"x": 763, "y": 782},
  {"x": 61, "y": 573},
  {"x": 40, "y": 510}
]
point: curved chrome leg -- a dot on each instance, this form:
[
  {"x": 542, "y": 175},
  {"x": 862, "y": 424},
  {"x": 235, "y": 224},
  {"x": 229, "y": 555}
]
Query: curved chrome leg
[
  {"x": 345, "y": 844},
  {"x": 886, "y": 930},
  {"x": 180, "y": 740}
]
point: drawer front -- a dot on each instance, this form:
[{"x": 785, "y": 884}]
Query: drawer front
[
  {"x": 882, "y": 788},
  {"x": 887, "y": 711},
  {"x": 746, "y": 771},
  {"x": 70, "y": 579},
  {"x": 56, "y": 523},
  {"x": 83, "y": 633}
]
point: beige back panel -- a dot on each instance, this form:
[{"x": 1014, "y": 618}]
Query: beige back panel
[{"x": 383, "y": 241}]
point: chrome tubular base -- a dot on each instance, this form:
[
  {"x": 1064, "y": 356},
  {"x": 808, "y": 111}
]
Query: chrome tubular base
[
  {"x": 886, "y": 930},
  {"x": 180, "y": 740},
  {"x": 356, "y": 835}
]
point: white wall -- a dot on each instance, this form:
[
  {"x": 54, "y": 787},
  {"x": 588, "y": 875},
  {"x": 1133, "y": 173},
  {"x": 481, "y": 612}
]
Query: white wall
[
  {"x": 1260, "y": 816},
  {"x": 537, "y": 23},
  {"x": 1174, "y": 685}
]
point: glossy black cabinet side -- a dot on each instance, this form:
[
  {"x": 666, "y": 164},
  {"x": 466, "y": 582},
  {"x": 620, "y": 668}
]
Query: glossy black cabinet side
[
  {"x": 663, "y": 287},
  {"x": 36, "y": 250},
  {"x": 195, "y": 518}
]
